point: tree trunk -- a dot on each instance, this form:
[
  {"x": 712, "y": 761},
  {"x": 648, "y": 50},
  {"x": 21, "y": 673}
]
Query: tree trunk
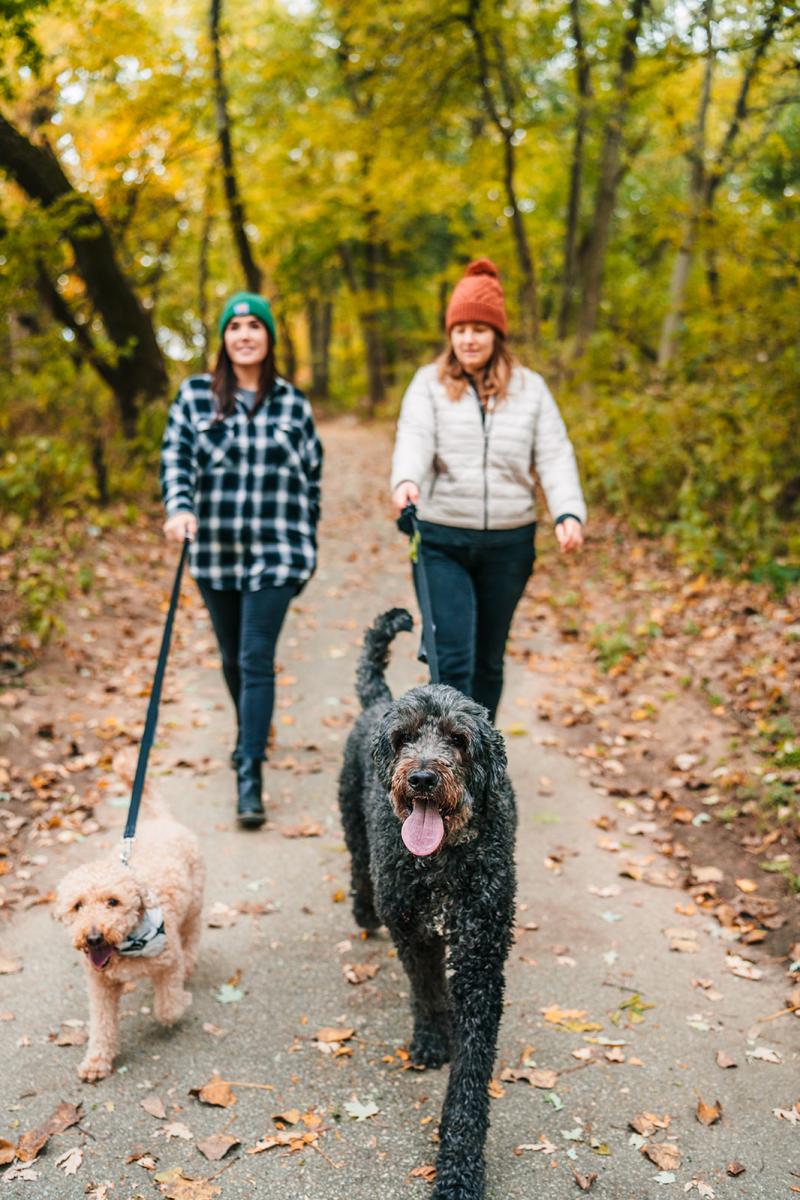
[
  {"x": 704, "y": 182},
  {"x": 366, "y": 299},
  {"x": 236, "y": 214},
  {"x": 137, "y": 370},
  {"x": 697, "y": 184},
  {"x": 320, "y": 321},
  {"x": 203, "y": 275},
  {"x": 504, "y": 124},
  {"x": 583, "y": 81},
  {"x": 286, "y": 350},
  {"x": 608, "y": 180}
]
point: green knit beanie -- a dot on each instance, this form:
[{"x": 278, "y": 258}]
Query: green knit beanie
[{"x": 245, "y": 304}]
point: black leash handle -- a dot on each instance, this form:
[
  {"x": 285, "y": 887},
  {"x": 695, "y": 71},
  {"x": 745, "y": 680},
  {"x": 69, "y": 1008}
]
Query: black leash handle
[
  {"x": 152, "y": 712},
  {"x": 407, "y": 523}
]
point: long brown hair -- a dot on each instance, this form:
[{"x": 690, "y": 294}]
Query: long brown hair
[
  {"x": 224, "y": 383},
  {"x": 491, "y": 381}
]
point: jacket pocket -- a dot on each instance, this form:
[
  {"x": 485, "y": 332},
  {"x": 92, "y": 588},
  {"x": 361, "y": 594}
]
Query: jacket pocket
[
  {"x": 216, "y": 446},
  {"x": 282, "y": 437}
]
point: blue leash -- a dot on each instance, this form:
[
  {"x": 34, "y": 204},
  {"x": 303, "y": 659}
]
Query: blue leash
[
  {"x": 152, "y": 713},
  {"x": 407, "y": 523}
]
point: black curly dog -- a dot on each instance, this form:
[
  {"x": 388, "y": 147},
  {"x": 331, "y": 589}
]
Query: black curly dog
[{"x": 429, "y": 818}]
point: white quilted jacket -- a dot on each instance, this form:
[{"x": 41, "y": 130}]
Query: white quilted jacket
[{"x": 479, "y": 475}]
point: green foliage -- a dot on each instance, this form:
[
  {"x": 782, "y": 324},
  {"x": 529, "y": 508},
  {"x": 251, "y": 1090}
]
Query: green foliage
[{"x": 40, "y": 476}]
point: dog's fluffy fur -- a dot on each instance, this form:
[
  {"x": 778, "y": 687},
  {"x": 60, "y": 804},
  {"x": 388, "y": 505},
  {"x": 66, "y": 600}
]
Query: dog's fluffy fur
[
  {"x": 102, "y": 903},
  {"x": 449, "y": 909}
]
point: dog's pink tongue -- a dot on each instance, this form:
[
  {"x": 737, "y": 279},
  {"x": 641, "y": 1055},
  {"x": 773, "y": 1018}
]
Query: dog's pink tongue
[{"x": 423, "y": 831}]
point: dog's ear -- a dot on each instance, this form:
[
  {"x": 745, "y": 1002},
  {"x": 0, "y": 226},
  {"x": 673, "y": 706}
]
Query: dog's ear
[
  {"x": 383, "y": 753},
  {"x": 493, "y": 751},
  {"x": 67, "y": 895}
]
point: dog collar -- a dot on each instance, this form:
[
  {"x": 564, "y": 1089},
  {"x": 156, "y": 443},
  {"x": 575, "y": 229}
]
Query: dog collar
[{"x": 148, "y": 938}]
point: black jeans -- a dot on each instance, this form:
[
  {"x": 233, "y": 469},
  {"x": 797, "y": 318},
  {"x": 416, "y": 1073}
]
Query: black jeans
[
  {"x": 247, "y": 625},
  {"x": 476, "y": 578}
]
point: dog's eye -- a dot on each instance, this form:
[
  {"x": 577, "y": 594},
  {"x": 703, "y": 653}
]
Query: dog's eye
[
  {"x": 112, "y": 902},
  {"x": 460, "y": 741},
  {"x": 397, "y": 740},
  {"x": 77, "y": 906}
]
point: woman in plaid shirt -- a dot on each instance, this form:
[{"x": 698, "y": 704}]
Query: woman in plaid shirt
[{"x": 240, "y": 475}]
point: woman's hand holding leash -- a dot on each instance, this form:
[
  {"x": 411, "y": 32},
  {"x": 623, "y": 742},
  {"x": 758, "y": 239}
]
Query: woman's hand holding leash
[
  {"x": 404, "y": 494},
  {"x": 180, "y": 526}
]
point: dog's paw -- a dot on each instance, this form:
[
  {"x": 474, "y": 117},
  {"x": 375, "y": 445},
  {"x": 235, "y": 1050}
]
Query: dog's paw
[
  {"x": 167, "y": 1012},
  {"x": 94, "y": 1067},
  {"x": 365, "y": 916},
  {"x": 430, "y": 1048}
]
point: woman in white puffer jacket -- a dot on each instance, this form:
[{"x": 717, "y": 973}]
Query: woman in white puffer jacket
[{"x": 475, "y": 430}]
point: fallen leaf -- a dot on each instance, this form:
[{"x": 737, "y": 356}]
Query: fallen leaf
[
  {"x": 228, "y": 994},
  {"x": 222, "y": 916},
  {"x": 707, "y": 874},
  {"x": 306, "y": 829},
  {"x": 217, "y": 1092},
  {"x": 155, "y": 1106},
  {"x": 584, "y": 1182},
  {"x": 71, "y": 1033},
  {"x": 543, "y": 1147},
  {"x": 647, "y": 1123},
  {"x": 290, "y": 1117},
  {"x": 20, "y": 1171},
  {"x": 725, "y": 1061},
  {"x": 360, "y": 1110},
  {"x": 742, "y": 967},
  {"x": 333, "y": 1034},
  {"x": 176, "y": 1129},
  {"x": 177, "y": 1186},
  {"x": 427, "y": 1172},
  {"x": 217, "y": 1146},
  {"x": 70, "y": 1160},
  {"x": 765, "y": 1054},
  {"x": 9, "y": 967},
  {"x": 8, "y": 1152},
  {"x": 538, "y": 1077},
  {"x": 792, "y": 1115},
  {"x": 735, "y": 1168},
  {"x": 665, "y": 1155},
  {"x": 708, "y": 1114},
  {"x": 294, "y": 1139},
  {"x": 496, "y": 1089},
  {"x": 34, "y": 1140},
  {"x": 356, "y": 973}
]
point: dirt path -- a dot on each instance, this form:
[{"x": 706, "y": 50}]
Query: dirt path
[{"x": 622, "y": 988}]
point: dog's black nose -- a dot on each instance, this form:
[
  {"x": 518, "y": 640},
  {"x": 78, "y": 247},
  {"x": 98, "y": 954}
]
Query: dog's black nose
[
  {"x": 422, "y": 780},
  {"x": 94, "y": 939}
]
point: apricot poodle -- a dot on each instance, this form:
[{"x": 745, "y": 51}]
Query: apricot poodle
[{"x": 134, "y": 922}]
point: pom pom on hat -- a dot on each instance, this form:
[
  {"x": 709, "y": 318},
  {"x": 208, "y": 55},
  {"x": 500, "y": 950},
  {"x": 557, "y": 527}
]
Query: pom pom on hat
[
  {"x": 478, "y": 297},
  {"x": 482, "y": 266}
]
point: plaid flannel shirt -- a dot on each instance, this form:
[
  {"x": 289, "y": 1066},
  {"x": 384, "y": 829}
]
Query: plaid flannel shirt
[{"x": 252, "y": 482}]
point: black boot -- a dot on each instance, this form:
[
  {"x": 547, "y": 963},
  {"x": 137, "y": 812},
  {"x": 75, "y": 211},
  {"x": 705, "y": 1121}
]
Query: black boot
[
  {"x": 249, "y": 808},
  {"x": 236, "y": 752}
]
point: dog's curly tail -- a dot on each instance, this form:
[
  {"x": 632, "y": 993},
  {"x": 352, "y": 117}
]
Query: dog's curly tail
[{"x": 371, "y": 685}]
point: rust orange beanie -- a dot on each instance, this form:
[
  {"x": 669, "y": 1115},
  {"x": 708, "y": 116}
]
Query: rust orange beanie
[{"x": 478, "y": 296}]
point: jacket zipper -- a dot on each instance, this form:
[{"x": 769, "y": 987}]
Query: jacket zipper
[{"x": 486, "y": 421}]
